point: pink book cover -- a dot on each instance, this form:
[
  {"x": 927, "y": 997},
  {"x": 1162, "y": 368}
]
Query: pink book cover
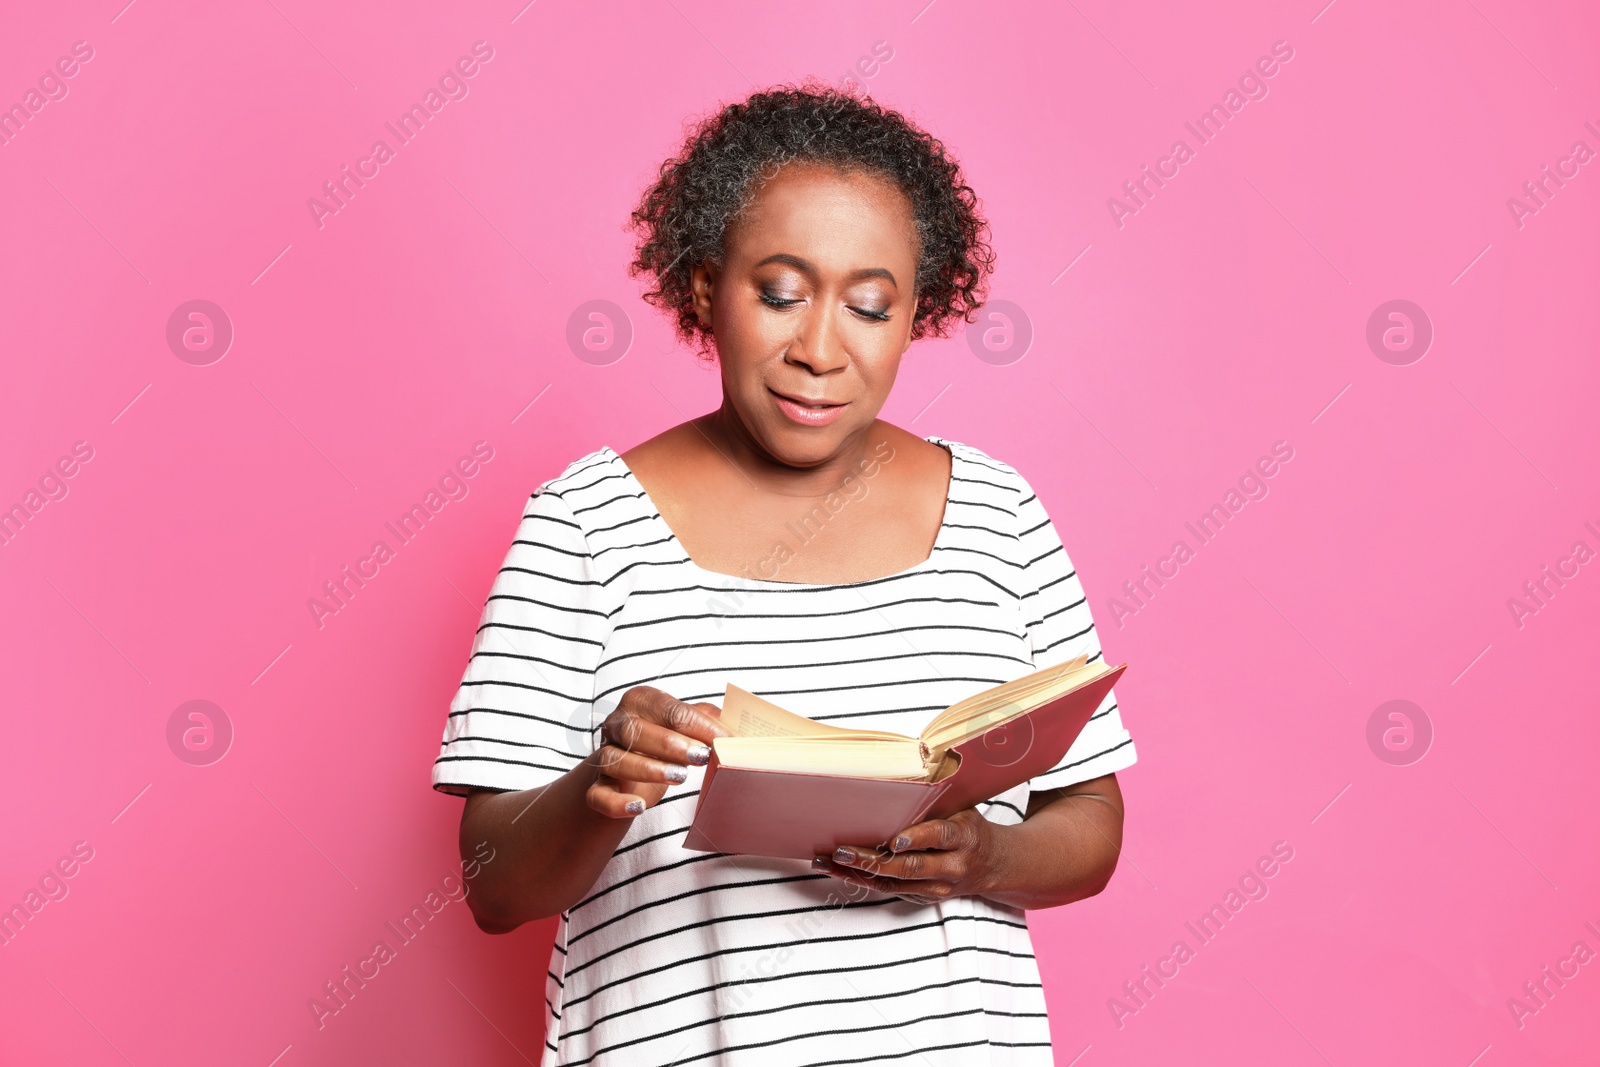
[{"x": 798, "y": 816}]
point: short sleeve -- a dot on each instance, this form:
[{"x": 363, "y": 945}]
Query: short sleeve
[
  {"x": 522, "y": 716},
  {"x": 1060, "y": 628}
]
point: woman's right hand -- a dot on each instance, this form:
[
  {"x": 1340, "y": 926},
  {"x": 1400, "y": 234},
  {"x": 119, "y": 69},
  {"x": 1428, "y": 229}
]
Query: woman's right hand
[{"x": 648, "y": 744}]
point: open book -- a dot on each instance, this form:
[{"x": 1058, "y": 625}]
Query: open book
[{"x": 784, "y": 785}]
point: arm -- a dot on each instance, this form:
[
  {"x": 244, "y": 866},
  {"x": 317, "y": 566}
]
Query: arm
[
  {"x": 1064, "y": 850},
  {"x": 551, "y": 846},
  {"x": 1066, "y": 846},
  {"x": 553, "y": 841}
]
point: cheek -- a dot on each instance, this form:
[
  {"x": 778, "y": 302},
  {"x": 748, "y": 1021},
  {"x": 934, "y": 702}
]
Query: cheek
[
  {"x": 747, "y": 333},
  {"x": 877, "y": 360}
]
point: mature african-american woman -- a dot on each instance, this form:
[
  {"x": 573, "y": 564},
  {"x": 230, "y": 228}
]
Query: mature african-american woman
[{"x": 794, "y": 544}]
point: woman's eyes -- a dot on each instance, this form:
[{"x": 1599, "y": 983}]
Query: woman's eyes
[{"x": 773, "y": 300}]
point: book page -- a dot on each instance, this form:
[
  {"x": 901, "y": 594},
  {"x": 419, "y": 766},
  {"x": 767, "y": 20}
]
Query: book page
[
  {"x": 898, "y": 759},
  {"x": 746, "y": 715},
  {"x": 1014, "y": 691},
  {"x": 1002, "y": 703}
]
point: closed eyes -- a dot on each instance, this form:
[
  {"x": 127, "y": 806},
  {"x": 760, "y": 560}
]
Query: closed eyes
[{"x": 781, "y": 303}]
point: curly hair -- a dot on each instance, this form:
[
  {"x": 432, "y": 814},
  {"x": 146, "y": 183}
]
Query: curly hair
[{"x": 682, "y": 218}]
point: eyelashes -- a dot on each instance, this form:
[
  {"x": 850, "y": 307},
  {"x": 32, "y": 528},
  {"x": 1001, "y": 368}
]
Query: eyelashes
[{"x": 782, "y": 303}]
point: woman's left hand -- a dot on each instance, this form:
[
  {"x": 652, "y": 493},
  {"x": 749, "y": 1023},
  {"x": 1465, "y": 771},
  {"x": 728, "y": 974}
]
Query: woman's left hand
[{"x": 929, "y": 862}]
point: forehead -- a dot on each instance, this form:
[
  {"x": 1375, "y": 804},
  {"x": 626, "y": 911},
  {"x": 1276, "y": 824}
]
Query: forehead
[{"x": 826, "y": 215}]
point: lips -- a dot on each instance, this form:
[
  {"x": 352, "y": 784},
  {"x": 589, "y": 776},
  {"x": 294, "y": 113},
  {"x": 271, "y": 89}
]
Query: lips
[
  {"x": 820, "y": 402},
  {"x": 809, "y": 412}
]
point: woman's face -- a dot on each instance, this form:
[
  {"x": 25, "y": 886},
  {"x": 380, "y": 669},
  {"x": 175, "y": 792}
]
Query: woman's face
[{"x": 811, "y": 308}]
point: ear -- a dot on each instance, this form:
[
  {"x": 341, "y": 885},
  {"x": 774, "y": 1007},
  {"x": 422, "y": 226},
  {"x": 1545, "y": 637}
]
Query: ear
[{"x": 702, "y": 281}]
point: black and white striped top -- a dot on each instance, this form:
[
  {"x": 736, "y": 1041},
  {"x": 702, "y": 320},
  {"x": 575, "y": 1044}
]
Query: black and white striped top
[{"x": 680, "y": 957}]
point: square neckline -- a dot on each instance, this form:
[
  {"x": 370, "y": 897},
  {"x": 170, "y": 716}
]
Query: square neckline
[{"x": 938, "y": 537}]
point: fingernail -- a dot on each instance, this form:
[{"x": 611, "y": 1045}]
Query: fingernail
[
  {"x": 677, "y": 774},
  {"x": 843, "y": 855},
  {"x": 901, "y": 842},
  {"x": 819, "y": 862},
  {"x": 699, "y": 755},
  {"x": 635, "y": 807}
]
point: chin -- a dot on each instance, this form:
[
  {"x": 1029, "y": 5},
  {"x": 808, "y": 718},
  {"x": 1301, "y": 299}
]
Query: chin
[{"x": 801, "y": 446}]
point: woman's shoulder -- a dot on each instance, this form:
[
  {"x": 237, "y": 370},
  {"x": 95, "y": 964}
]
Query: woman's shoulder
[
  {"x": 584, "y": 483},
  {"x": 581, "y": 471},
  {"x": 575, "y": 471},
  {"x": 979, "y": 466}
]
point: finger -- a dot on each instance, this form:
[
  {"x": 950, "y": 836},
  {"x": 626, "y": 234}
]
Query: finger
[
  {"x": 851, "y": 875},
  {"x": 634, "y": 734},
  {"x": 713, "y": 717},
  {"x": 905, "y": 866},
  {"x": 942, "y": 834},
  {"x": 917, "y": 892},
  {"x": 608, "y": 797},
  {"x": 700, "y": 721},
  {"x": 614, "y": 762}
]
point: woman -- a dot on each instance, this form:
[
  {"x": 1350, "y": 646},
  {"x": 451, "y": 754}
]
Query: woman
[{"x": 793, "y": 544}]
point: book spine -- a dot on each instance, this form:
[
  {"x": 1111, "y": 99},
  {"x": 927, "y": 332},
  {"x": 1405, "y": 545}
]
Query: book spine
[
  {"x": 705, "y": 782},
  {"x": 934, "y": 793},
  {"x": 695, "y": 839}
]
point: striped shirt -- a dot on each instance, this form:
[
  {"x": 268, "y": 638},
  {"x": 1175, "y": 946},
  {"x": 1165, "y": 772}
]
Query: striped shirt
[{"x": 682, "y": 957}]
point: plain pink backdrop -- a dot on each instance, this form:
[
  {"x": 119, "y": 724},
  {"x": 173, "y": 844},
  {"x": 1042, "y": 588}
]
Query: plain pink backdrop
[{"x": 1168, "y": 353}]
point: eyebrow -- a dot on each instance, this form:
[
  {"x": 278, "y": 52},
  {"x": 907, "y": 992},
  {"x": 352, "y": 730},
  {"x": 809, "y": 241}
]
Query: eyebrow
[{"x": 806, "y": 265}]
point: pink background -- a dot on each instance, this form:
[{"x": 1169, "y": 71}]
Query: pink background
[{"x": 369, "y": 354}]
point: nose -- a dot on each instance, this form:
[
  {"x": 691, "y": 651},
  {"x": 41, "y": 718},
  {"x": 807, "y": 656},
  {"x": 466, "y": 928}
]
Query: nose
[{"x": 818, "y": 343}]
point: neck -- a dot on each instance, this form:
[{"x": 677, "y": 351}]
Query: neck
[{"x": 729, "y": 435}]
